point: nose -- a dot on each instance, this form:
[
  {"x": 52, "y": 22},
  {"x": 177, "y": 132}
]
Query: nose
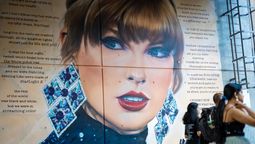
[{"x": 136, "y": 75}]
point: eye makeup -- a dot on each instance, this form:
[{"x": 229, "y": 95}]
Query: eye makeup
[
  {"x": 113, "y": 43},
  {"x": 160, "y": 48},
  {"x": 158, "y": 51}
]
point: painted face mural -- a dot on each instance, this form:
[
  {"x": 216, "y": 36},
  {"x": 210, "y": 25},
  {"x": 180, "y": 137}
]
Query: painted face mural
[
  {"x": 131, "y": 86},
  {"x": 128, "y": 55}
]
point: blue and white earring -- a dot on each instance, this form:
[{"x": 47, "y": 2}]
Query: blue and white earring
[
  {"x": 166, "y": 115},
  {"x": 64, "y": 95}
]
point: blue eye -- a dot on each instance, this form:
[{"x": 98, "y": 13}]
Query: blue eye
[
  {"x": 159, "y": 52},
  {"x": 112, "y": 43}
]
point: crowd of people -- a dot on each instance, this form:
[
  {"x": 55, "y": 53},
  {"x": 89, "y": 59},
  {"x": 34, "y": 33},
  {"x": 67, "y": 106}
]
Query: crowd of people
[{"x": 231, "y": 116}]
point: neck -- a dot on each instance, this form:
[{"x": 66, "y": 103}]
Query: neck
[
  {"x": 98, "y": 117},
  {"x": 232, "y": 101}
]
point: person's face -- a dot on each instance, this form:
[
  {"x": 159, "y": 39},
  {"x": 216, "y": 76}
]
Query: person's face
[
  {"x": 240, "y": 96},
  {"x": 126, "y": 83}
]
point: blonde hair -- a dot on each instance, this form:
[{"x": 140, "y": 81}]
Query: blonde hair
[{"x": 135, "y": 20}]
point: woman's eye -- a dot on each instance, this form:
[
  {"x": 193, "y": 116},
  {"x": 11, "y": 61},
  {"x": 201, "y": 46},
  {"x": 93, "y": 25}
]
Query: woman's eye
[
  {"x": 112, "y": 43},
  {"x": 159, "y": 52}
]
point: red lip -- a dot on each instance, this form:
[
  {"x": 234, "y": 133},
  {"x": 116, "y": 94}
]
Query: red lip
[{"x": 133, "y": 101}]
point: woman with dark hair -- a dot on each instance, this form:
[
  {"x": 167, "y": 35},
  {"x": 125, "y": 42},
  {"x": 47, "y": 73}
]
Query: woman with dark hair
[
  {"x": 234, "y": 115},
  {"x": 128, "y": 54},
  {"x": 191, "y": 122}
]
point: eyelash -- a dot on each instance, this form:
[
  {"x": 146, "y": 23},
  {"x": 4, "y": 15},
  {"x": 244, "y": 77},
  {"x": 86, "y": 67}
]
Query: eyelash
[
  {"x": 114, "y": 43},
  {"x": 159, "y": 52}
]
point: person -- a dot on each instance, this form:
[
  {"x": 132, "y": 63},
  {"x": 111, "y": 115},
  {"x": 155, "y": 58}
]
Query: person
[
  {"x": 216, "y": 98},
  {"x": 207, "y": 122},
  {"x": 191, "y": 122},
  {"x": 128, "y": 54},
  {"x": 234, "y": 115}
]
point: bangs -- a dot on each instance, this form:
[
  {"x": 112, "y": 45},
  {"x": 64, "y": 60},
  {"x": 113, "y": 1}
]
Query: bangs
[
  {"x": 151, "y": 21},
  {"x": 135, "y": 20}
]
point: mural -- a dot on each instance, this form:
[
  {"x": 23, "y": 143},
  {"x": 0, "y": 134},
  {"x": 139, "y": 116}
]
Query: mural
[{"x": 104, "y": 71}]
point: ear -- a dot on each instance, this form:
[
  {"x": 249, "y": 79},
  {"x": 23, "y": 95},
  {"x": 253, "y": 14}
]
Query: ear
[
  {"x": 236, "y": 96},
  {"x": 62, "y": 35}
]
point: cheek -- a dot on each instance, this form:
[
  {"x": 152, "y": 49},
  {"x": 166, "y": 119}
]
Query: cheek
[
  {"x": 114, "y": 81},
  {"x": 114, "y": 58},
  {"x": 160, "y": 78},
  {"x": 159, "y": 83},
  {"x": 89, "y": 55},
  {"x": 91, "y": 76},
  {"x": 241, "y": 98},
  {"x": 91, "y": 79}
]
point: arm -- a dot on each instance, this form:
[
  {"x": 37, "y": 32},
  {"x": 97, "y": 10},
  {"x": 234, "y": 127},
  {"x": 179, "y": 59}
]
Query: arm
[
  {"x": 250, "y": 112},
  {"x": 197, "y": 128},
  {"x": 246, "y": 108},
  {"x": 186, "y": 132},
  {"x": 240, "y": 116},
  {"x": 198, "y": 133}
]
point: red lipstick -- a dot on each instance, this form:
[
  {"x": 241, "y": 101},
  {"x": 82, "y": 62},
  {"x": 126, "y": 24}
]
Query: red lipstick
[{"x": 133, "y": 101}]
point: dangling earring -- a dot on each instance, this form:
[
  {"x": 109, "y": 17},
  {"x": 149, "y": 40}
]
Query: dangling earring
[
  {"x": 167, "y": 113},
  {"x": 64, "y": 95},
  {"x": 237, "y": 98}
]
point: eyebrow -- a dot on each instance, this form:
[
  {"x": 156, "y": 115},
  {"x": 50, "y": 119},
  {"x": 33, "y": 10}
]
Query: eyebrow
[
  {"x": 159, "y": 40},
  {"x": 114, "y": 31}
]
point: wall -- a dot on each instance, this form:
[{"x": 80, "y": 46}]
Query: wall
[
  {"x": 30, "y": 59},
  {"x": 226, "y": 56}
]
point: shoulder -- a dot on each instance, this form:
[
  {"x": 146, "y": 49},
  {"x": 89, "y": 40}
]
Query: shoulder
[
  {"x": 229, "y": 108},
  {"x": 233, "y": 109},
  {"x": 236, "y": 114}
]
